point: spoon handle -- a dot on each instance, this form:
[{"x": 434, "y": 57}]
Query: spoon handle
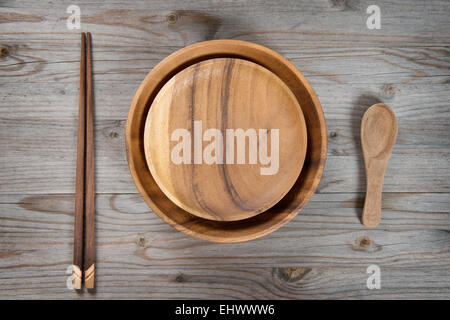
[{"x": 371, "y": 215}]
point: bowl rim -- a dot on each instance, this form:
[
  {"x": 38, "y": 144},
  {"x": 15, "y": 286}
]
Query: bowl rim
[{"x": 225, "y": 231}]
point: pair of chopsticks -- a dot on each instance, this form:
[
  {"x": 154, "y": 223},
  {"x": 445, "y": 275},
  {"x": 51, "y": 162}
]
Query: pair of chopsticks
[{"x": 84, "y": 242}]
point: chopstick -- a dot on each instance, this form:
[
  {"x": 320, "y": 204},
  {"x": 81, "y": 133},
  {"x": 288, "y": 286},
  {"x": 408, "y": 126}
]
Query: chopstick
[
  {"x": 89, "y": 249},
  {"x": 79, "y": 183},
  {"x": 84, "y": 235}
]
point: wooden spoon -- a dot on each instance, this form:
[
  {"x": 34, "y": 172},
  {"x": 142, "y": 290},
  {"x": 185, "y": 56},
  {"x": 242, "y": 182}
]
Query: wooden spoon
[{"x": 378, "y": 134}]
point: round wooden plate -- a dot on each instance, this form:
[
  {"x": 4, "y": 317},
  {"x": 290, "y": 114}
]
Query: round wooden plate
[
  {"x": 225, "y": 139},
  {"x": 263, "y": 223}
]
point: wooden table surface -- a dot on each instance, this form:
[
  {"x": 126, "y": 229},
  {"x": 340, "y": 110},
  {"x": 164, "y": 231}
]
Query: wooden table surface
[{"x": 325, "y": 251}]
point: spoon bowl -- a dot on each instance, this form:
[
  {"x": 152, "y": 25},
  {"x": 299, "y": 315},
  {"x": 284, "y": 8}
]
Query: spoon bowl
[{"x": 378, "y": 131}]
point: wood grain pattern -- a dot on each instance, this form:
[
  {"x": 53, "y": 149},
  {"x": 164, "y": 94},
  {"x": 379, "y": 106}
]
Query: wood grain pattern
[
  {"x": 405, "y": 64},
  {"x": 378, "y": 134},
  {"x": 225, "y": 94}
]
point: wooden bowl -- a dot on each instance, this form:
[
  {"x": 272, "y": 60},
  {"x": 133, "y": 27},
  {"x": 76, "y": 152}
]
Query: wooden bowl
[
  {"x": 227, "y": 231},
  {"x": 225, "y": 139}
]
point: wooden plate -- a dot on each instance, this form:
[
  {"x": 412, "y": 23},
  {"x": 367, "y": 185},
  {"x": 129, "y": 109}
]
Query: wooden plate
[
  {"x": 225, "y": 139},
  {"x": 263, "y": 223}
]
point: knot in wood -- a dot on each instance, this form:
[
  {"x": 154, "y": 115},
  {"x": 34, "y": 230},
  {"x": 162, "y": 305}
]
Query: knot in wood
[
  {"x": 389, "y": 90},
  {"x": 4, "y": 52},
  {"x": 172, "y": 18},
  {"x": 141, "y": 241},
  {"x": 291, "y": 274},
  {"x": 113, "y": 135},
  {"x": 364, "y": 241},
  {"x": 180, "y": 278}
]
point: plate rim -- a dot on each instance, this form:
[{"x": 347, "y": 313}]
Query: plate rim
[{"x": 217, "y": 231}]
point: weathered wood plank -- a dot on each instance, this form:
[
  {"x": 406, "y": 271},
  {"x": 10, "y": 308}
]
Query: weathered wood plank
[
  {"x": 39, "y": 156},
  {"x": 117, "y": 281},
  {"x": 140, "y": 256},
  {"x": 411, "y": 102},
  {"x": 411, "y": 21},
  {"x": 343, "y": 54},
  {"x": 47, "y": 62},
  {"x": 414, "y": 231}
]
